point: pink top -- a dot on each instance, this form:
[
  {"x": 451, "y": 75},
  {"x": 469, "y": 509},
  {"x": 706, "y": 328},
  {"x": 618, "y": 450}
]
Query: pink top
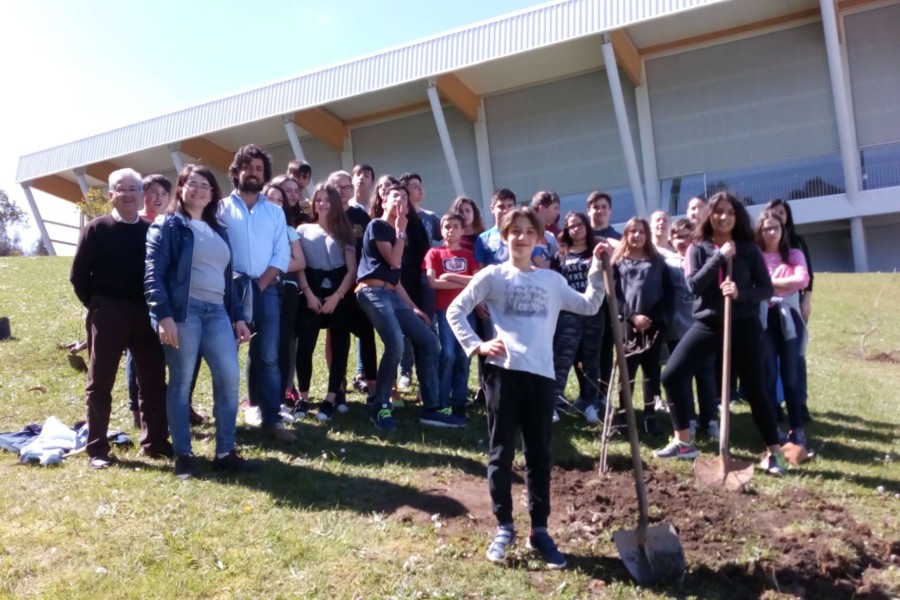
[{"x": 795, "y": 270}]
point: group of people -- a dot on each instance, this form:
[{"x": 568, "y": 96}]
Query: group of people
[{"x": 179, "y": 274}]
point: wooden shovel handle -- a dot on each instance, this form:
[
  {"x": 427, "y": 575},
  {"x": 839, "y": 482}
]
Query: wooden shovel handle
[{"x": 725, "y": 429}]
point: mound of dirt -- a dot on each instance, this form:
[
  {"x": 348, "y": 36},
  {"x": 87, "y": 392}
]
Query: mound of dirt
[{"x": 794, "y": 543}]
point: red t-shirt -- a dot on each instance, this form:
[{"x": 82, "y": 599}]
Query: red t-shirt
[{"x": 444, "y": 260}]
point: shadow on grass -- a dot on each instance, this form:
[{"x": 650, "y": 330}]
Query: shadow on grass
[{"x": 300, "y": 486}]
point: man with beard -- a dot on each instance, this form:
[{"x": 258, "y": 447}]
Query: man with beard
[{"x": 260, "y": 254}]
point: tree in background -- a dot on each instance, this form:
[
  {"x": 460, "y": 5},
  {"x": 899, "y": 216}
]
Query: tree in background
[
  {"x": 39, "y": 249},
  {"x": 94, "y": 205},
  {"x": 10, "y": 215}
]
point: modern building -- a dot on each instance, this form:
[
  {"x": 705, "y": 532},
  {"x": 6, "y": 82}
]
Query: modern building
[{"x": 654, "y": 101}]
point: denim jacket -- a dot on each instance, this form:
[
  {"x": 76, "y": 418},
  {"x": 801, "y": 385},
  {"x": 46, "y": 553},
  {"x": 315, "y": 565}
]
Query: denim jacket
[{"x": 167, "y": 276}]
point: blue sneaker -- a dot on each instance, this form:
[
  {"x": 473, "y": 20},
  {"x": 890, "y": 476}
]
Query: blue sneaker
[
  {"x": 383, "y": 418},
  {"x": 503, "y": 539},
  {"x": 442, "y": 417},
  {"x": 544, "y": 544}
]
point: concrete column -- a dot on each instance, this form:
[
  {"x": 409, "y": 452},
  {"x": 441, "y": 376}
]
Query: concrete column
[
  {"x": 618, "y": 98},
  {"x": 444, "y": 134},
  {"x": 648, "y": 146},
  {"x": 347, "y": 154},
  {"x": 483, "y": 151},
  {"x": 858, "y": 242},
  {"x": 291, "y": 131},
  {"x": 177, "y": 161},
  {"x": 48, "y": 243}
]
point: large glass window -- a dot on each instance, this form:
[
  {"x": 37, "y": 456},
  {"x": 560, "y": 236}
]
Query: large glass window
[
  {"x": 881, "y": 166},
  {"x": 807, "y": 177}
]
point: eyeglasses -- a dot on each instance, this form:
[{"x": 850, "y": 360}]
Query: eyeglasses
[
  {"x": 345, "y": 188},
  {"x": 193, "y": 185}
]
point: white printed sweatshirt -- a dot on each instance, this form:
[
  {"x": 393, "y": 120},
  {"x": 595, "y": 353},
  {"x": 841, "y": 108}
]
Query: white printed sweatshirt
[{"x": 524, "y": 308}]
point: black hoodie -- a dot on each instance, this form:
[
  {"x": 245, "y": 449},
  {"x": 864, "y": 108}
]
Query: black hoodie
[{"x": 706, "y": 269}]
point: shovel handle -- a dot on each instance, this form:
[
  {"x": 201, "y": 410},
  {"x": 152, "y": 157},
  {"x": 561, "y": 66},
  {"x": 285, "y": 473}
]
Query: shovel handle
[
  {"x": 725, "y": 430},
  {"x": 638, "y": 469}
]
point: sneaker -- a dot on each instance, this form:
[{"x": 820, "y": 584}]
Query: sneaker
[
  {"x": 360, "y": 384},
  {"x": 677, "y": 449},
  {"x": 660, "y": 405},
  {"x": 442, "y": 417},
  {"x": 235, "y": 463},
  {"x": 301, "y": 410},
  {"x": 184, "y": 466},
  {"x": 580, "y": 405},
  {"x": 340, "y": 401},
  {"x": 104, "y": 461},
  {"x": 326, "y": 410},
  {"x": 163, "y": 450},
  {"x": 797, "y": 436},
  {"x": 503, "y": 539},
  {"x": 253, "y": 416},
  {"x": 713, "y": 429},
  {"x": 591, "y": 415},
  {"x": 278, "y": 433},
  {"x": 342, "y": 407},
  {"x": 404, "y": 383},
  {"x": 774, "y": 464},
  {"x": 383, "y": 418},
  {"x": 555, "y": 416},
  {"x": 460, "y": 412},
  {"x": 651, "y": 427},
  {"x": 286, "y": 413},
  {"x": 543, "y": 543}
]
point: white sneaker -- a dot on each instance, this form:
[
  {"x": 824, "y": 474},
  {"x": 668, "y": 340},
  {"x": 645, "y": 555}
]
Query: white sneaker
[
  {"x": 555, "y": 417},
  {"x": 253, "y": 416},
  {"x": 692, "y": 426},
  {"x": 713, "y": 430},
  {"x": 590, "y": 415},
  {"x": 404, "y": 383},
  {"x": 287, "y": 415}
]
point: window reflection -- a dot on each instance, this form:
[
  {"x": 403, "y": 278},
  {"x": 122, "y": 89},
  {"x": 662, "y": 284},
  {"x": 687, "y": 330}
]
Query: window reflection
[
  {"x": 880, "y": 166},
  {"x": 807, "y": 177}
]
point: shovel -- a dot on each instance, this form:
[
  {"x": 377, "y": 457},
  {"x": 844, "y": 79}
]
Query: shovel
[
  {"x": 724, "y": 471},
  {"x": 650, "y": 554}
]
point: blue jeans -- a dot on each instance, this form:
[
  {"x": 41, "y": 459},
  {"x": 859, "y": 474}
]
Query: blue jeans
[
  {"x": 207, "y": 331},
  {"x": 453, "y": 381},
  {"x": 393, "y": 319},
  {"x": 783, "y": 358},
  {"x": 263, "y": 371}
]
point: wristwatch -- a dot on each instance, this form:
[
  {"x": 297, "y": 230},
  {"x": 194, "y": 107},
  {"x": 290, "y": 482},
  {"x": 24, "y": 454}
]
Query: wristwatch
[{"x": 401, "y": 235}]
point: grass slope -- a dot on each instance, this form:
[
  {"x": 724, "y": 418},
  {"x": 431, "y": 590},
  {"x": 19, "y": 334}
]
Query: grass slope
[{"x": 314, "y": 522}]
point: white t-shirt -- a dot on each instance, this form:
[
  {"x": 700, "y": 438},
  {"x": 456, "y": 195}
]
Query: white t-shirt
[{"x": 524, "y": 309}]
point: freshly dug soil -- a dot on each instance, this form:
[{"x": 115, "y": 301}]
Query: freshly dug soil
[{"x": 737, "y": 545}]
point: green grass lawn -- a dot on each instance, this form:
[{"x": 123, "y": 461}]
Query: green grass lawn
[{"x": 317, "y": 520}]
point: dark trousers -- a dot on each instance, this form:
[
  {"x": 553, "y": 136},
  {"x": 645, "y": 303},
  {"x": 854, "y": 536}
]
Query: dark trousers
[
  {"x": 362, "y": 328},
  {"x": 112, "y": 327},
  {"x": 703, "y": 340},
  {"x": 308, "y": 326},
  {"x": 287, "y": 341},
  {"x": 707, "y": 394},
  {"x": 578, "y": 336},
  {"x": 516, "y": 399},
  {"x": 643, "y": 350}
]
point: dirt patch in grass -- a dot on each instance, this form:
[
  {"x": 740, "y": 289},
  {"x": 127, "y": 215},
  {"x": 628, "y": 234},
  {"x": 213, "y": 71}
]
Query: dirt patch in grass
[
  {"x": 745, "y": 544},
  {"x": 883, "y": 357}
]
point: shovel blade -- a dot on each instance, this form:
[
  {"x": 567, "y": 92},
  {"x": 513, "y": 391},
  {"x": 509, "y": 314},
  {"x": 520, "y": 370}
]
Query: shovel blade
[
  {"x": 726, "y": 473},
  {"x": 659, "y": 558},
  {"x": 634, "y": 555}
]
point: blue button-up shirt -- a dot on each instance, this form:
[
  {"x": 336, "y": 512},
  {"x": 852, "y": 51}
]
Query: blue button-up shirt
[{"x": 258, "y": 237}]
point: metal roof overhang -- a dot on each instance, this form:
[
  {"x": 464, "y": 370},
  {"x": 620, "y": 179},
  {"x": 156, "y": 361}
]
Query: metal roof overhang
[{"x": 525, "y": 48}]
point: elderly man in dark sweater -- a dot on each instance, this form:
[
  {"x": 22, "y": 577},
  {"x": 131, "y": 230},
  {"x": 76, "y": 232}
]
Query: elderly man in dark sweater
[{"x": 108, "y": 277}]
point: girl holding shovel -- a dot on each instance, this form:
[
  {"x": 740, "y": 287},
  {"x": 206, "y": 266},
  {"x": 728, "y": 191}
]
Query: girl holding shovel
[{"x": 723, "y": 234}]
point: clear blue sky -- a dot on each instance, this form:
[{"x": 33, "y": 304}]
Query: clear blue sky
[{"x": 73, "y": 68}]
